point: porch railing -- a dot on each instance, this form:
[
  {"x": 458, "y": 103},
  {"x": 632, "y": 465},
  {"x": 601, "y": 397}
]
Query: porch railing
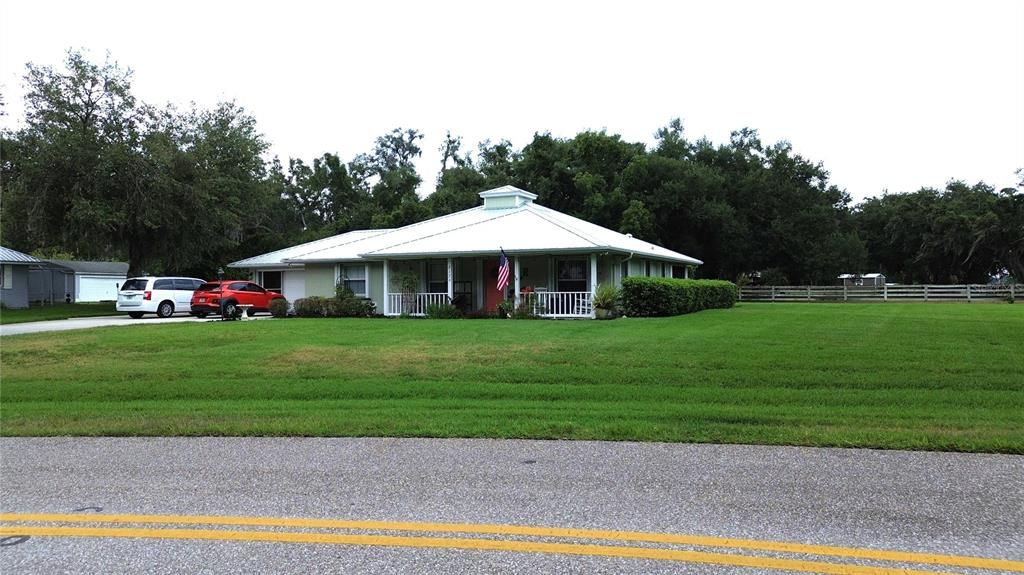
[
  {"x": 414, "y": 303},
  {"x": 560, "y": 303},
  {"x": 556, "y": 304}
]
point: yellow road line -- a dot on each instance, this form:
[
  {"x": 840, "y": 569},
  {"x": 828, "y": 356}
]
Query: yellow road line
[
  {"x": 472, "y": 544},
  {"x": 665, "y": 538}
]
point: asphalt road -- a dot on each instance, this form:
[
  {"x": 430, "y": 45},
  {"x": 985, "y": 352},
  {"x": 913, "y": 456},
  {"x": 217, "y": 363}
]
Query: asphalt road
[
  {"x": 103, "y": 321},
  {"x": 463, "y": 495}
]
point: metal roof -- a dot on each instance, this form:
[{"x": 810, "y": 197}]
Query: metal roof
[
  {"x": 520, "y": 229},
  {"x": 9, "y": 256},
  {"x": 279, "y": 257},
  {"x": 119, "y": 269}
]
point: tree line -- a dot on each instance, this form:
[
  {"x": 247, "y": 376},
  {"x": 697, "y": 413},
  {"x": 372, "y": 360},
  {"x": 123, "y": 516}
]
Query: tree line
[{"x": 94, "y": 173}]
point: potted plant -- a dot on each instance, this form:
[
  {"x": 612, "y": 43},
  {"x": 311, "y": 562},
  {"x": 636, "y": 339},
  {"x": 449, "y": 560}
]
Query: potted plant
[{"x": 606, "y": 299}]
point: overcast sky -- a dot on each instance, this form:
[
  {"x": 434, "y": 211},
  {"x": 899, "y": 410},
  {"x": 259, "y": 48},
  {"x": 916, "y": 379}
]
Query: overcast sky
[{"x": 888, "y": 95}]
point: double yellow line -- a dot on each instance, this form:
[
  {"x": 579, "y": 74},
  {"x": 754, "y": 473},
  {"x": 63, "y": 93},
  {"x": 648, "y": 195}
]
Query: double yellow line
[{"x": 14, "y": 524}]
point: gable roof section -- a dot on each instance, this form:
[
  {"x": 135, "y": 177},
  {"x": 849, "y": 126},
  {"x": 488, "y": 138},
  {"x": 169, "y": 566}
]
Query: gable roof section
[
  {"x": 9, "y": 256},
  {"x": 282, "y": 256}
]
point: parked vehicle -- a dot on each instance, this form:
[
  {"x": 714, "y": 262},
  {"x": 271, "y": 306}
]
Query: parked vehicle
[
  {"x": 208, "y": 297},
  {"x": 160, "y": 295}
]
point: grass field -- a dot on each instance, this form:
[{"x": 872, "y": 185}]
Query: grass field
[
  {"x": 56, "y": 311},
  {"x": 914, "y": 376}
]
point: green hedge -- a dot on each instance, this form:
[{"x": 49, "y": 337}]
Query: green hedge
[{"x": 645, "y": 297}]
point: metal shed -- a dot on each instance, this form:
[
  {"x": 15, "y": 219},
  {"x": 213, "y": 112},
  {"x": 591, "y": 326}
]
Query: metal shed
[{"x": 866, "y": 280}]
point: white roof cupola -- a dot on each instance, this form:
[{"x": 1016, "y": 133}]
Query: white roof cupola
[{"x": 506, "y": 197}]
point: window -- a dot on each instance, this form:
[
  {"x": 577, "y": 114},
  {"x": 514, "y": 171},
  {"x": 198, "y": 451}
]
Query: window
[
  {"x": 134, "y": 284},
  {"x": 437, "y": 275},
  {"x": 7, "y": 277},
  {"x": 354, "y": 278},
  {"x": 647, "y": 269},
  {"x": 625, "y": 269},
  {"x": 163, "y": 284},
  {"x": 572, "y": 275},
  {"x": 237, "y": 286},
  {"x": 184, "y": 284},
  {"x": 254, "y": 288},
  {"x": 271, "y": 280}
]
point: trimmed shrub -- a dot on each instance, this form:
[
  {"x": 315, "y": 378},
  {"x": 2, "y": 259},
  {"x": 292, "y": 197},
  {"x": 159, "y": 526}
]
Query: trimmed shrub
[
  {"x": 348, "y": 307},
  {"x": 312, "y": 306},
  {"x": 443, "y": 311},
  {"x": 647, "y": 297},
  {"x": 279, "y": 307}
]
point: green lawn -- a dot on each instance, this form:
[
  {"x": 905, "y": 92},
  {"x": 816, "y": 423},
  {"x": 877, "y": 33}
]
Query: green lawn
[
  {"x": 56, "y": 311},
  {"x": 914, "y": 376}
]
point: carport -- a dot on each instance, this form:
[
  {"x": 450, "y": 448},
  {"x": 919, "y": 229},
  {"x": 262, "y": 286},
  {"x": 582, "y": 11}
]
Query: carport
[{"x": 76, "y": 281}]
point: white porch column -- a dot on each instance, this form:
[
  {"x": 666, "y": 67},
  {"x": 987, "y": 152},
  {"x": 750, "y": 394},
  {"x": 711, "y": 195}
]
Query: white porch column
[
  {"x": 686, "y": 272},
  {"x": 516, "y": 259},
  {"x": 387, "y": 288},
  {"x": 593, "y": 281},
  {"x": 451, "y": 280}
]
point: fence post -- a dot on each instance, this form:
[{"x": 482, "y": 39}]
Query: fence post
[
  {"x": 926, "y": 292},
  {"x": 773, "y": 293},
  {"x": 845, "y": 296},
  {"x": 885, "y": 292},
  {"x": 968, "y": 293},
  {"x": 808, "y": 293},
  {"x": 1011, "y": 293}
]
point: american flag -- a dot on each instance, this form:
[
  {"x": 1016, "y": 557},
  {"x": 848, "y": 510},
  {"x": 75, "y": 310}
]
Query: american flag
[{"x": 502, "y": 272}]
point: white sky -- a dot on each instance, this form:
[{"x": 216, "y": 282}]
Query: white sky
[{"x": 889, "y": 95}]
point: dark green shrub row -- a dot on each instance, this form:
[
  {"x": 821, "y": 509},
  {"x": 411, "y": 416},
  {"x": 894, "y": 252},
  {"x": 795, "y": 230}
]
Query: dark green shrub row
[
  {"x": 279, "y": 307},
  {"x": 312, "y": 306},
  {"x": 443, "y": 311},
  {"x": 644, "y": 297},
  {"x": 350, "y": 306}
]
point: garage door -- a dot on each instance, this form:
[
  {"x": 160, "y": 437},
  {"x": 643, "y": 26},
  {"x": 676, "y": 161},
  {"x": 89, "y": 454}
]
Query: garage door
[
  {"x": 293, "y": 284},
  {"x": 98, "y": 288}
]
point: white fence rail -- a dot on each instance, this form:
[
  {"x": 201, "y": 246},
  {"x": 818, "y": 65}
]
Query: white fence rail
[
  {"x": 561, "y": 303},
  {"x": 545, "y": 304},
  {"x": 414, "y": 303},
  {"x": 967, "y": 293}
]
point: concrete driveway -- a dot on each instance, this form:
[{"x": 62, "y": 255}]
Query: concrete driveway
[{"x": 105, "y": 321}]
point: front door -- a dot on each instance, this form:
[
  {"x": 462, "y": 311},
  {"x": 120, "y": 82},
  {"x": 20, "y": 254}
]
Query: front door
[{"x": 492, "y": 297}]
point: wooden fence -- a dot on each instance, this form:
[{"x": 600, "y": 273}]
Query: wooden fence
[{"x": 907, "y": 293}]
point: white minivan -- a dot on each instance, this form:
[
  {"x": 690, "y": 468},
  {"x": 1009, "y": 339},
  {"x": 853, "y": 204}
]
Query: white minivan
[{"x": 162, "y": 296}]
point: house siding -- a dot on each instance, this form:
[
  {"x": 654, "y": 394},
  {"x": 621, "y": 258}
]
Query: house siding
[
  {"x": 14, "y": 295},
  {"x": 319, "y": 280}
]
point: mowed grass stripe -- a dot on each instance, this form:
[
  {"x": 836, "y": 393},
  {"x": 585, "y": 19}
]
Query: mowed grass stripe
[
  {"x": 524, "y": 530},
  {"x": 911, "y": 376},
  {"x": 470, "y": 544}
]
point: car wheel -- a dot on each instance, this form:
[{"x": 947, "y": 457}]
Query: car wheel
[
  {"x": 135, "y": 314},
  {"x": 229, "y": 309},
  {"x": 250, "y": 311},
  {"x": 166, "y": 309}
]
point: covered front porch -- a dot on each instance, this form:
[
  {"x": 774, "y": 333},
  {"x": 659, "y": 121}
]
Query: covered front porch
[{"x": 548, "y": 285}]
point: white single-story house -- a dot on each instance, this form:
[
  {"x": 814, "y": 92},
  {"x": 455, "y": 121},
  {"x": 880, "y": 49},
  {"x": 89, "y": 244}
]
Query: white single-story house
[
  {"x": 14, "y": 267},
  {"x": 76, "y": 281},
  {"x": 556, "y": 260}
]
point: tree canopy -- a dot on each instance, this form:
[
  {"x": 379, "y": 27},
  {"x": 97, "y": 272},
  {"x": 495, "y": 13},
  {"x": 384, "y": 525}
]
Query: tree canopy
[{"x": 97, "y": 173}]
